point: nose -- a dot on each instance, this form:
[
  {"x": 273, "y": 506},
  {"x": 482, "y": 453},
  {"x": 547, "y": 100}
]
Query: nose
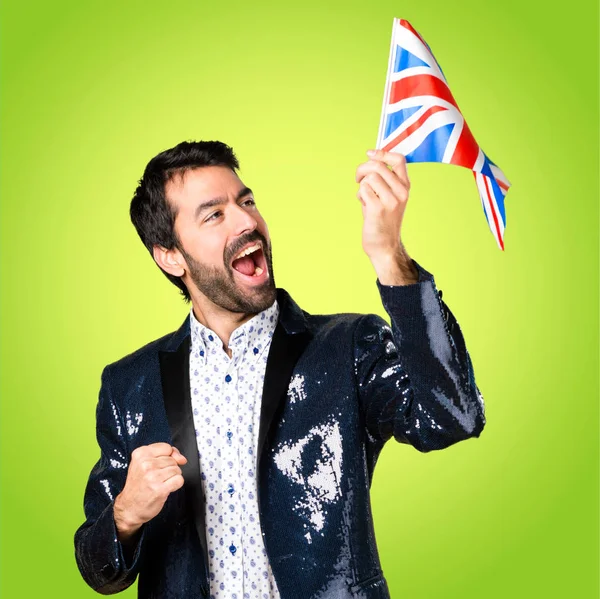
[{"x": 244, "y": 222}]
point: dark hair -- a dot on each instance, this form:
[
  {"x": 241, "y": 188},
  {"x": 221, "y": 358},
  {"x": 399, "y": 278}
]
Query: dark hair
[{"x": 152, "y": 215}]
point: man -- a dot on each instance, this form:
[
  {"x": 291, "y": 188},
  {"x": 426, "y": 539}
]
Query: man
[{"x": 237, "y": 452}]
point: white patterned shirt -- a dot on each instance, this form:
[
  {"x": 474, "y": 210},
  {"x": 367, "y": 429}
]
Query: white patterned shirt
[{"x": 226, "y": 400}]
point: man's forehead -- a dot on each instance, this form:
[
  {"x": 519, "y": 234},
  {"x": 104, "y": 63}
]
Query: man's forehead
[{"x": 203, "y": 183}]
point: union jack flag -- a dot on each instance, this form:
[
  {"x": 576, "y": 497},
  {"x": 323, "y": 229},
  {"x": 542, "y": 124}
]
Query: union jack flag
[{"x": 421, "y": 120}]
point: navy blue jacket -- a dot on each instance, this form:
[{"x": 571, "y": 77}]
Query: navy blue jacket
[{"x": 336, "y": 388}]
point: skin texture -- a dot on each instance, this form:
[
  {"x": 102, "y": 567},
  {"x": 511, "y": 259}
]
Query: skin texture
[
  {"x": 154, "y": 472},
  {"x": 222, "y": 300},
  {"x": 383, "y": 191}
]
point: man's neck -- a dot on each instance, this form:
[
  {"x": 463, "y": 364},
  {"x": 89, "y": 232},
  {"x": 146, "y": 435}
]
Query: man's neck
[{"x": 219, "y": 320}]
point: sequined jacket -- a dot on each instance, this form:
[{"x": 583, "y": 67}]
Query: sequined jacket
[{"x": 336, "y": 388}]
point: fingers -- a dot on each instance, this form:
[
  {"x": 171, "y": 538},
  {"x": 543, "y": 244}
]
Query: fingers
[
  {"x": 396, "y": 160},
  {"x": 366, "y": 194},
  {"x": 375, "y": 183},
  {"x": 174, "y": 483},
  {"x": 164, "y": 474},
  {"x": 155, "y": 450},
  {"x": 154, "y": 472},
  {"x": 178, "y": 457},
  {"x": 157, "y": 470},
  {"x": 152, "y": 463},
  {"x": 160, "y": 462},
  {"x": 370, "y": 200},
  {"x": 398, "y": 185},
  {"x": 379, "y": 163}
]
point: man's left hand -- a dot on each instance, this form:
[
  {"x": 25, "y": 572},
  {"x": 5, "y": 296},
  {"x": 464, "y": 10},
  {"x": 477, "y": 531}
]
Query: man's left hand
[{"x": 383, "y": 191}]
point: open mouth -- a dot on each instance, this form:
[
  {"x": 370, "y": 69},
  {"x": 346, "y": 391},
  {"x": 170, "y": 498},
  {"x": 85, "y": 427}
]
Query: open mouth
[{"x": 251, "y": 262}]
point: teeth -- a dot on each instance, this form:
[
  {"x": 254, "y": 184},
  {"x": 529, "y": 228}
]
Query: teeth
[
  {"x": 247, "y": 251},
  {"x": 258, "y": 271}
]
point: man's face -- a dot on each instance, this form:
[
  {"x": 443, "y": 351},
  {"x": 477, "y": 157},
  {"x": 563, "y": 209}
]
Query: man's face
[{"x": 223, "y": 239}]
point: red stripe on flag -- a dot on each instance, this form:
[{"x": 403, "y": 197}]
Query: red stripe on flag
[
  {"x": 413, "y": 127},
  {"x": 467, "y": 150},
  {"x": 420, "y": 85},
  {"x": 408, "y": 26},
  {"x": 498, "y": 235}
]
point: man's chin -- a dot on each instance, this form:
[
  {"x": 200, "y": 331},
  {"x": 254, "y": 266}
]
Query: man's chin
[
  {"x": 255, "y": 295},
  {"x": 234, "y": 291},
  {"x": 261, "y": 294}
]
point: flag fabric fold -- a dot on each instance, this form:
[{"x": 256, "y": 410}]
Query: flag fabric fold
[{"x": 421, "y": 120}]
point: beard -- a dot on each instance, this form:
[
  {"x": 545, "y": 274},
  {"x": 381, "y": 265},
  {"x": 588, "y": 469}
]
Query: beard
[{"x": 219, "y": 285}]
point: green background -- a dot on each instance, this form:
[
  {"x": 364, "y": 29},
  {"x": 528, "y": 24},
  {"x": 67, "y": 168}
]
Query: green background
[{"x": 91, "y": 91}]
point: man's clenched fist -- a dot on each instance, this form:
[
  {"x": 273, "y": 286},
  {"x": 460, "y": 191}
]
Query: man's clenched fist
[{"x": 154, "y": 472}]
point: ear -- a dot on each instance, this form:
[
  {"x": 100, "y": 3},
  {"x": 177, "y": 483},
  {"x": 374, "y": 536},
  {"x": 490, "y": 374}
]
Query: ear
[{"x": 171, "y": 261}]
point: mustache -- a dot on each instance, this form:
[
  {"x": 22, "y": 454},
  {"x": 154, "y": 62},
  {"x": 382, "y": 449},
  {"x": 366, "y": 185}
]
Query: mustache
[{"x": 239, "y": 243}]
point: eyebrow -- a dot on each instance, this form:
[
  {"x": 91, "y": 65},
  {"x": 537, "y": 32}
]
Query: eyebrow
[{"x": 245, "y": 191}]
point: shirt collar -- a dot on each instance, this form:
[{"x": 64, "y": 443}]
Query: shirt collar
[{"x": 255, "y": 334}]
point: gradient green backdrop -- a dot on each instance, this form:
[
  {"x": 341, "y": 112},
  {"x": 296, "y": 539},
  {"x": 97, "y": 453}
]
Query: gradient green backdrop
[{"x": 90, "y": 91}]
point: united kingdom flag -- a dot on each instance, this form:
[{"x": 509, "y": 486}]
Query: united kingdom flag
[{"x": 421, "y": 120}]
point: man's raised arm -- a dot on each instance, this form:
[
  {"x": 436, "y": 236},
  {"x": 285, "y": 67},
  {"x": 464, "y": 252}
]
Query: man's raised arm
[{"x": 415, "y": 379}]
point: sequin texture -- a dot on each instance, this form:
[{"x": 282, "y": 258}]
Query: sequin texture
[{"x": 336, "y": 389}]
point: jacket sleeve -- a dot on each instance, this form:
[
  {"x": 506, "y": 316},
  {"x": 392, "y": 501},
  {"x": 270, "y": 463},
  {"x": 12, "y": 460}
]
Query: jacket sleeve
[
  {"x": 105, "y": 564},
  {"x": 415, "y": 380}
]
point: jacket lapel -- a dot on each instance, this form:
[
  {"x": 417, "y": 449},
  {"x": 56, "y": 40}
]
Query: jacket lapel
[
  {"x": 174, "y": 370},
  {"x": 284, "y": 352}
]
